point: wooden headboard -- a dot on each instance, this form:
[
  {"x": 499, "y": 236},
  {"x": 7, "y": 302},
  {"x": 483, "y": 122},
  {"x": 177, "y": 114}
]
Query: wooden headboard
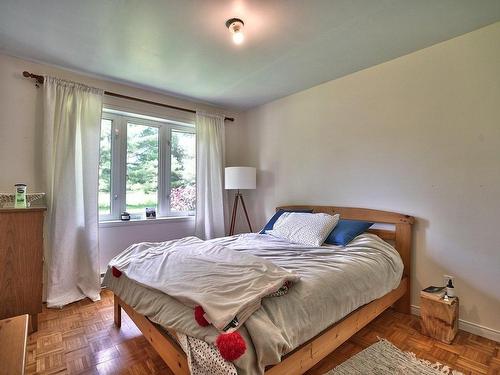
[{"x": 401, "y": 236}]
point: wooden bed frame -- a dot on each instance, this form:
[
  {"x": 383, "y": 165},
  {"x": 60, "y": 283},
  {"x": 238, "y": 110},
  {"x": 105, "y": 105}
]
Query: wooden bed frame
[{"x": 308, "y": 354}]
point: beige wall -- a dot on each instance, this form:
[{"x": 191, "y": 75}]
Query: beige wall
[
  {"x": 20, "y": 116},
  {"x": 418, "y": 135}
]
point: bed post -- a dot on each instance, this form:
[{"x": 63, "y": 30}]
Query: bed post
[
  {"x": 117, "y": 311},
  {"x": 403, "y": 245}
]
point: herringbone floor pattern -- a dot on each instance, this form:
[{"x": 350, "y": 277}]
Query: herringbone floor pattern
[{"x": 81, "y": 339}]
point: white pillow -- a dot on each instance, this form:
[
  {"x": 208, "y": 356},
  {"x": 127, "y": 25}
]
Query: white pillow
[{"x": 304, "y": 228}]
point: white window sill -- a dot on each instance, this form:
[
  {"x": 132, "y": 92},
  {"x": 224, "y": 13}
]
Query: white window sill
[{"x": 159, "y": 220}]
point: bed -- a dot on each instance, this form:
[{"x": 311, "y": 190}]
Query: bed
[{"x": 299, "y": 355}]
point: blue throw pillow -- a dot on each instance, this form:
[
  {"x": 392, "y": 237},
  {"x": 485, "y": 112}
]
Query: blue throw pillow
[
  {"x": 275, "y": 217},
  {"x": 346, "y": 230}
]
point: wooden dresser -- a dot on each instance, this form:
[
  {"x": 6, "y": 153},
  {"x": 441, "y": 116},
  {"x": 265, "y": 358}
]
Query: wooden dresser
[{"x": 21, "y": 262}]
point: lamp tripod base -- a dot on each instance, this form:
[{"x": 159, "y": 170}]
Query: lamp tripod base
[{"x": 238, "y": 196}]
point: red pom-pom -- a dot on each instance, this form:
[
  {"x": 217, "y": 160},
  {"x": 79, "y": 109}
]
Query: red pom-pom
[
  {"x": 116, "y": 272},
  {"x": 198, "y": 315},
  {"x": 231, "y": 345}
]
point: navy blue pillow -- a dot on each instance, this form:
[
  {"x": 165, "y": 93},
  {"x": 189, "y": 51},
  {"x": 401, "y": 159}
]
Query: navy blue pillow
[
  {"x": 346, "y": 230},
  {"x": 275, "y": 217}
]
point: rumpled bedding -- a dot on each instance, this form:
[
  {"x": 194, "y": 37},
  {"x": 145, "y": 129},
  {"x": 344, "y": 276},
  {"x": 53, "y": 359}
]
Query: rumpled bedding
[
  {"x": 334, "y": 282},
  {"x": 227, "y": 284}
]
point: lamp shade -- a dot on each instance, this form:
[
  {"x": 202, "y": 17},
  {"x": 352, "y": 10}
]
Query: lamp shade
[{"x": 240, "y": 178}]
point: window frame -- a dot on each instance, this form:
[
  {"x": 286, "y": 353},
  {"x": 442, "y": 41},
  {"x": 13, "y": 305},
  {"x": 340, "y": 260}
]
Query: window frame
[{"x": 119, "y": 121}]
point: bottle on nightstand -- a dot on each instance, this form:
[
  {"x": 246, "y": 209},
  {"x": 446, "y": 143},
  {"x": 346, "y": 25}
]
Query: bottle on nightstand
[{"x": 450, "y": 289}]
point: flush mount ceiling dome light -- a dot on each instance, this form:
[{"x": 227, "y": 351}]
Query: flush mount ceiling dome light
[{"x": 235, "y": 26}]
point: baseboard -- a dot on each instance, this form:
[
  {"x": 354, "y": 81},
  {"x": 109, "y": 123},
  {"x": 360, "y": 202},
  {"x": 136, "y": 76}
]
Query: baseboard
[{"x": 470, "y": 327}]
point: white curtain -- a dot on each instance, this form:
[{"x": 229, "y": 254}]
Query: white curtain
[
  {"x": 72, "y": 116},
  {"x": 210, "y": 194}
]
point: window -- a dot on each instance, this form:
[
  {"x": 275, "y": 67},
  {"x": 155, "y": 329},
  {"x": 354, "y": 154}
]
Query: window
[
  {"x": 142, "y": 168},
  {"x": 105, "y": 168},
  {"x": 144, "y": 163},
  {"x": 182, "y": 172}
]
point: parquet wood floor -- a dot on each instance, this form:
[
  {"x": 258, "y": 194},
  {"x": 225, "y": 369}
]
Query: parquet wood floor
[{"x": 81, "y": 339}]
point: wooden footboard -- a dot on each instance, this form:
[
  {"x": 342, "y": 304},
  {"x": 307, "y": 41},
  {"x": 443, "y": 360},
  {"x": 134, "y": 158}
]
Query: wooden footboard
[
  {"x": 297, "y": 362},
  {"x": 167, "y": 348}
]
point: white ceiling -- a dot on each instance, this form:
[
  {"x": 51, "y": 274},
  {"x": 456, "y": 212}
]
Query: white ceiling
[{"x": 182, "y": 47}]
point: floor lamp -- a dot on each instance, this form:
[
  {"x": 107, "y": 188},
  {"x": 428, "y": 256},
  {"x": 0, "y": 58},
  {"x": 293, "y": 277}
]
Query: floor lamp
[{"x": 239, "y": 178}]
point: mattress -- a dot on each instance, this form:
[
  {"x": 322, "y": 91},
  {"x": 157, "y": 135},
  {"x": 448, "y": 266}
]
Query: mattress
[{"x": 334, "y": 282}]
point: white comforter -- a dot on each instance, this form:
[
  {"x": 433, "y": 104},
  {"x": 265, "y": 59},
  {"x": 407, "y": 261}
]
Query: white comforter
[
  {"x": 334, "y": 282},
  {"x": 228, "y": 284}
]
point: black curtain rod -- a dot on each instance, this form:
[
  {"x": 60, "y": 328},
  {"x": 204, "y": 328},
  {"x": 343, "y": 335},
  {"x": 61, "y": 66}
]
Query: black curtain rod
[{"x": 40, "y": 80}]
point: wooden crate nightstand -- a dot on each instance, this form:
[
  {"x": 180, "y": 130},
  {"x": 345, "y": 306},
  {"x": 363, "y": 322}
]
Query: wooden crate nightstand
[{"x": 439, "y": 318}]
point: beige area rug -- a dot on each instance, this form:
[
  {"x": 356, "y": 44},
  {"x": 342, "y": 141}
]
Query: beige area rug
[{"x": 385, "y": 358}]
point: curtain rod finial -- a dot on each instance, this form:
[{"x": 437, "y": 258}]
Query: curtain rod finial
[{"x": 38, "y": 78}]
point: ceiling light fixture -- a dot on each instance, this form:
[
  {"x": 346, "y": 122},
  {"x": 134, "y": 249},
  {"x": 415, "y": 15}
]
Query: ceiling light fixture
[{"x": 235, "y": 26}]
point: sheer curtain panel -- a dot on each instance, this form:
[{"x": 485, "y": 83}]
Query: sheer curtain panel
[
  {"x": 72, "y": 117},
  {"x": 210, "y": 194}
]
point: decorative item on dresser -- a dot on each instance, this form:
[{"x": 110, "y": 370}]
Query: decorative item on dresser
[
  {"x": 21, "y": 262},
  {"x": 439, "y": 317}
]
